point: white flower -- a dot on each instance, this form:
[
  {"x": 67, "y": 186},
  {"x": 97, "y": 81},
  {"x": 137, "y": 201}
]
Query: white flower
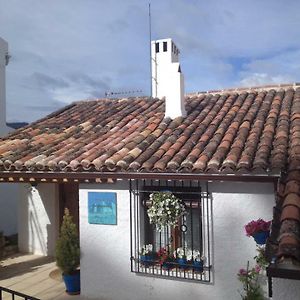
[
  {"x": 146, "y": 249},
  {"x": 166, "y": 209}
]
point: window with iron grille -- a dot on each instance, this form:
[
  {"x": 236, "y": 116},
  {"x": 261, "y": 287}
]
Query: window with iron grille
[{"x": 181, "y": 251}]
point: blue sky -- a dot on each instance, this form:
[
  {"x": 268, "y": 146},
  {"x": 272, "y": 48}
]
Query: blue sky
[{"x": 68, "y": 50}]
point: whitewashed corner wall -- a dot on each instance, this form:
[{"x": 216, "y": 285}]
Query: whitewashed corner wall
[
  {"x": 38, "y": 215},
  {"x": 105, "y": 249},
  {"x": 8, "y": 192}
]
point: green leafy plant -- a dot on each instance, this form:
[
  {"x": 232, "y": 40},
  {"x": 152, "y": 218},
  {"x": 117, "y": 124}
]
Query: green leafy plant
[
  {"x": 249, "y": 278},
  {"x": 260, "y": 258},
  {"x": 67, "y": 246}
]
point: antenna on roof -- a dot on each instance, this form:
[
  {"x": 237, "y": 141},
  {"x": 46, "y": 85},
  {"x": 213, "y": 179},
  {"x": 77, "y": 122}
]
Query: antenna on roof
[
  {"x": 150, "y": 61},
  {"x": 110, "y": 94}
]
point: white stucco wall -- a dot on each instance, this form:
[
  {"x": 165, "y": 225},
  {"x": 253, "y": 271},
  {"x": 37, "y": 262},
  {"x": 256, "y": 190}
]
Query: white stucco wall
[
  {"x": 8, "y": 192},
  {"x": 105, "y": 263},
  {"x": 286, "y": 289},
  {"x": 3, "y": 52},
  {"x": 38, "y": 215}
]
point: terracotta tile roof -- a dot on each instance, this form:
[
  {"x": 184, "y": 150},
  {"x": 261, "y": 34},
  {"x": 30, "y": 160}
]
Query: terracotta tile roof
[
  {"x": 245, "y": 131},
  {"x": 284, "y": 242},
  {"x": 229, "y": 132}
]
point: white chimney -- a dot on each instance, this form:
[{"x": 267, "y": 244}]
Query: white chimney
[
  {"x": 4, "y": 57},
  {"x": 167, "y": 79}
]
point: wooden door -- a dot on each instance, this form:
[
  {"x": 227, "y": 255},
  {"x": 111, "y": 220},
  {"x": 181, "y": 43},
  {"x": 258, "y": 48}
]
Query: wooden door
[{"x": 69, "y": 198}]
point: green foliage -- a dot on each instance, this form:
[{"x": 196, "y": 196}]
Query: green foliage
[
  {"x": 67, "y": 246},
  {"x": 249, "y": 278},
  {"x": 260, "y": 258}
]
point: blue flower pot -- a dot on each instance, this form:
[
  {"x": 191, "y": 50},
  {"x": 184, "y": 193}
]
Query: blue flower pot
[
  {"x": 182, "y": 263},
  {"x": 147, "y": 260},
  {"x": 198, "y": 266},
  {"x": 72, "y": 282},
  {"x": 168, "y": 265},
  {"x": 261, "y": 237}
]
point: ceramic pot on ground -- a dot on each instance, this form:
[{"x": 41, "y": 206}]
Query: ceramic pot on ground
[{"x": 72, "y": 282}]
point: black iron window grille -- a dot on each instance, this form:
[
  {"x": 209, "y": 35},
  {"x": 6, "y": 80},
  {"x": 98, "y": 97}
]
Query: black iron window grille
[{"x": 181, "y": 252}]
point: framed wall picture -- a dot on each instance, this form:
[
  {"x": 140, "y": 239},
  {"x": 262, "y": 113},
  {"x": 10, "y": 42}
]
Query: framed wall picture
[{"x": 102, "y": 208}]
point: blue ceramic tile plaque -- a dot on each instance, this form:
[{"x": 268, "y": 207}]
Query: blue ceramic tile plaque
[{"x": 102, "y": 208}]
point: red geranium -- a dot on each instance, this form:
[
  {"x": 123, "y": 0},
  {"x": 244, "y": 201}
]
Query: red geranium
[
  {"x": 164, "y": 255},
  {"x": 257, "y": 226}
]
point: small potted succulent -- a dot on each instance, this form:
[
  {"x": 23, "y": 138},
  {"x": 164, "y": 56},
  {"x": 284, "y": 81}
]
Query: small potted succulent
[
  {"x": 68, "y": 254},
  {"x": 259, "y": 230},
  {"x": 165, "y": 210},
  {"x": 147, "y": 256}
]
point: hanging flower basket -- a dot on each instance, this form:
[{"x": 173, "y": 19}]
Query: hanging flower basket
[
  {"x": 261, "y": 237},
  {"x": 166, "y": 210},
  {"x": 259, "y": 230}
]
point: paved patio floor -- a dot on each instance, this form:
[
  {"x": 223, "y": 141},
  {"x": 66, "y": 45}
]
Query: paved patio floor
[{"x": 33, "y": 275}]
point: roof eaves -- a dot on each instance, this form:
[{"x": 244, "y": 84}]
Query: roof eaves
[{"x": 26, "y": 176}]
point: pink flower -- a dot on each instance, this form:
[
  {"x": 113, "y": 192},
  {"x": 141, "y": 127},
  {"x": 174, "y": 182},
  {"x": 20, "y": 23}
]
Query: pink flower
[
  {"x": 243, "y": 272},
  {"x": 257, "y": 226},
  {"x": 257, "y": 268}
]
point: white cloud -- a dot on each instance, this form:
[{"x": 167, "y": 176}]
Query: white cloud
[
  {"x": 106, "y": 43},
  {"x": 282, "y": 68},
  {"x": 256, "y": 79}
]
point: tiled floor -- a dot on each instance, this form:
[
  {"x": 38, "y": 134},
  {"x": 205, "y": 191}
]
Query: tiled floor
[{"x": 29, "y": 274}]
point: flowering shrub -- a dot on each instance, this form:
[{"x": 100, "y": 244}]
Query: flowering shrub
[
  {"x": 146, "y": 249},
  {"x": 249, "y": 279},
  {"x": 165, "y": 210},
  {"x": 259, "y": 225}
]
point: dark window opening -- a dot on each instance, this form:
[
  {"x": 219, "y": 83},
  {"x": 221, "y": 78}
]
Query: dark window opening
[
  {"x": 191, "y": 237},
  {"x": 156, "y": 47},
  {"x": 165, "y": 46}
]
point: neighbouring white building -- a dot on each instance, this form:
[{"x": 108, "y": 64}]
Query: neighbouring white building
[
  {"x": 9, "y": 193},
  {"x": 230, "y": 156}
]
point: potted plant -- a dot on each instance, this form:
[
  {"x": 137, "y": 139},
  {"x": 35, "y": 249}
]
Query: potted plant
[
  {"x": 166, "y": 258},
  {"x": 197, "y": 260},
  {"x": 68, "y": 254},
  {"x": 259, "y": 230},
  {"x": 147, "y": 256},
  {"x": 165, "y": 210},
  {"x": 187, "y": 258},
  {"x": 183, "y": 255}
]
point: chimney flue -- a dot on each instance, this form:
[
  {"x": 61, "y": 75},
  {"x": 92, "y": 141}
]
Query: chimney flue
[{"x": 167, "y": 78}]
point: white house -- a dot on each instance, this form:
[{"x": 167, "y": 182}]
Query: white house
[
  {"x": 9, "y": 193},
  {"x": 231, "y": 156}
]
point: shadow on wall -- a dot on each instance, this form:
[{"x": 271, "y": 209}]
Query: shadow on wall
[{"x": 37, "y": 238}]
